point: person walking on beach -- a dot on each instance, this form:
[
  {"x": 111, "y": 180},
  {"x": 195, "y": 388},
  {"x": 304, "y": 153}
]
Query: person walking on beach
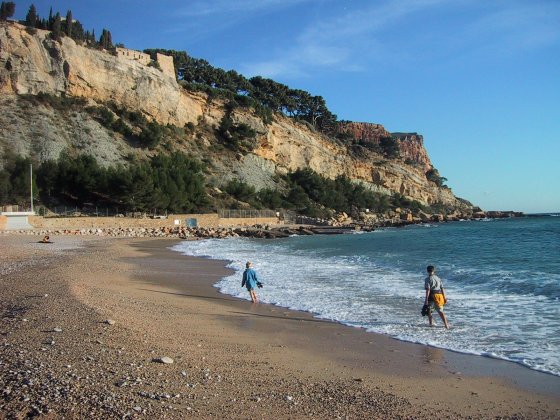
[
  {"x": 435, "y": 296},
  {"x": 251, "y": 281}
]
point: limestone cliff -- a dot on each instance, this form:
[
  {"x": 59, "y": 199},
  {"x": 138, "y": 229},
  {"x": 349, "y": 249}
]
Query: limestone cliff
[
  {"x": 411, "y": 145},
  {"x": 33, "y": 63}
]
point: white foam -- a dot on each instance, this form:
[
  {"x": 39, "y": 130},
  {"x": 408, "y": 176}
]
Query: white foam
[{"x": 359, "y": 292}]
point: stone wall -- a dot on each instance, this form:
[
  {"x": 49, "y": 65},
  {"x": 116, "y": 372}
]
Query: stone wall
[
  {"x": 166, "y": 64},
  {"x": 165, "y": 61},
  {"x": 203, "y": 220},
  {"x": 133, "y": 55}
]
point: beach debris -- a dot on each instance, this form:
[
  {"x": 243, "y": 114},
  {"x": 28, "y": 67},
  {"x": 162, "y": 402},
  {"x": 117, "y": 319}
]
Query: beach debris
[
  {"x": 163, "y": 396},
  {"x": 121, "y": 383},
  {"x": 109, "y": 322},
  {"x": 165, "y": 360},
  {"x": 289, "y": 398},
  {"x": 57, "y": 329}
]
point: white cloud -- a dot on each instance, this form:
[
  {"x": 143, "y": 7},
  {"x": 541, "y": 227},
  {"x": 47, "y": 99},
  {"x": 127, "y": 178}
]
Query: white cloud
[
  {"x": 519, "y": 26},
  {"x": 354, "y": 39},
  {"x": 229, "y": 7},
  {"x": 342, "y": 42}
]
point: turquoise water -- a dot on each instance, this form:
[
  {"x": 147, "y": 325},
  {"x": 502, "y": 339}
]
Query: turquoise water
[{"x": 502, "y": 280}]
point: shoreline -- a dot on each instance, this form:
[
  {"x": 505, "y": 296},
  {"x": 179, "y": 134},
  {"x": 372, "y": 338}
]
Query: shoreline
[
  {"x": 263, "y": 230},
  {"x": 467, "y": 364},
  {"x": 231, "y": 358}
]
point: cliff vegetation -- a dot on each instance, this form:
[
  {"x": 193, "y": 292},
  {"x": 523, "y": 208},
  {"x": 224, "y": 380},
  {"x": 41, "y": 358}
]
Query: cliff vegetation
[{"x": 104, "y": 130}]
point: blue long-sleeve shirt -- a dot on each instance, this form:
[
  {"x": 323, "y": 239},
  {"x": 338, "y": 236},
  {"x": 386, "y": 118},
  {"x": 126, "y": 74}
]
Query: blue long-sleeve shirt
[{"x": 250, "y": 279}]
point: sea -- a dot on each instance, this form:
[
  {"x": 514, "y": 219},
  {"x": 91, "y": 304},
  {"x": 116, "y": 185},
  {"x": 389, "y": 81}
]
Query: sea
[{"x": 501, "y": 276}]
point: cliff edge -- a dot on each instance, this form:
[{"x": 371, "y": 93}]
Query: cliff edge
[{"x": 33, "y": 63}]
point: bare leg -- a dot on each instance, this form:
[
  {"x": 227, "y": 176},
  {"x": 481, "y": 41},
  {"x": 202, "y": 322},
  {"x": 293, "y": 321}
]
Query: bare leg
[
  {"x": 253, "y": 296},
  {"x": 444, "y": 319},
  {"x": 431, "y": 319}
]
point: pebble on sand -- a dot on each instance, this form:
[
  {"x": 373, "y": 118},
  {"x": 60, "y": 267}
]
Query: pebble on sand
[{"x": 166, "y": 360}]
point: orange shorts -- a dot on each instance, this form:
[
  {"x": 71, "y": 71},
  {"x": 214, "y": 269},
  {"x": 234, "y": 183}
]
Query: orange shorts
[{"x": 438, "y": 301}]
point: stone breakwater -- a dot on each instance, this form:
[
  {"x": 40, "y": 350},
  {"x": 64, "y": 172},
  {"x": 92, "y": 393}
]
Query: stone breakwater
[
  {"x": 135, "y": 232},
  {"x": 257, "y": 231},
  {"x": 342, "y": 223}
]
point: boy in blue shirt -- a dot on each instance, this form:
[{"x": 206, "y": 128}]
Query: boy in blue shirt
[{"x": 251, "y": 281}]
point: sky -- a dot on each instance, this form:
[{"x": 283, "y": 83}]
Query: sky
[{"x": 479, "y": 79}]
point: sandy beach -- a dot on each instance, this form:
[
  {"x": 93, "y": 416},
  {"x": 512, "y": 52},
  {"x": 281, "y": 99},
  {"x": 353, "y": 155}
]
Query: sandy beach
[{"x": 87, "y": 321}]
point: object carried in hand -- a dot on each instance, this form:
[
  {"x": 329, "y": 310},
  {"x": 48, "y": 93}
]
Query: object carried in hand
[
  {"x": 425, "y": 310},
  {"x": 259, "y": 285}
]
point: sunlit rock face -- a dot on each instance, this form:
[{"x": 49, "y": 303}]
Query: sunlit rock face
[{"x": 33, "y": 63}]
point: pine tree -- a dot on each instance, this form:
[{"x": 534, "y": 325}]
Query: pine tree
[
  {"x": 57, "y": 27},
  {"x": 105, "y": 40},
  {"x": 7, "y": 10},
  {"x": 77, "y": 31},
  {"x": 69, "y": 23},
  {"x": 31, "y": 17}
]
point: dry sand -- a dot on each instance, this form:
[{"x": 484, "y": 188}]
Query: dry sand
[{"x": 232, "y": 359}]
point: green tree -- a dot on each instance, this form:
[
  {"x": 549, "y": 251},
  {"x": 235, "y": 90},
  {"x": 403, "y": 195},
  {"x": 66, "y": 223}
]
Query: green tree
[
  {"x": 298, "y": 198},
  {"x": 15, "y": 181},
  {"x": 78, "y": 33},
  {"x": 241, "y": 191},
  {"x": 47, "y": 175},
  {"x": 69, "y": 23},
  {"x": 106, "y": 40},
  {"x": 151, "y": 135},
  {"x": 5, "y": 187},
  {"x": 239, "y": 137},
  {"x": 77, "y": 178},
  {"x": 270, "y": 198},
  {"x": 432, "y": 175},
  {"x": 7, "y": 10},
  {"x": 389, "y": 147},
  {"x": 31, "y": 17},
  {"x": 56, "y": 30}
]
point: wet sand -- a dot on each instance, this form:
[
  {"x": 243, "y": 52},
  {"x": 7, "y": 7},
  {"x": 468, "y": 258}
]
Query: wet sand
[{"x": 232, "y": 359}]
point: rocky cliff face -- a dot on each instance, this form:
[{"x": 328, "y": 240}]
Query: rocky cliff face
[
  {"x": 30, "y": 64},
  {"x": 36, "y": 63},
  {"x": 364, "y": 132},
  {"x": 411, "y": 145}
]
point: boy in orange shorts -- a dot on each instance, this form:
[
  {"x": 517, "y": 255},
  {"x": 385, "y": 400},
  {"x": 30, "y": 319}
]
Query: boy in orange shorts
[{"x": 435, "y": 295}]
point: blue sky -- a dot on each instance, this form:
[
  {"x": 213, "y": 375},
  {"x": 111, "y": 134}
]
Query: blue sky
[{"x": 479, "y": 79}]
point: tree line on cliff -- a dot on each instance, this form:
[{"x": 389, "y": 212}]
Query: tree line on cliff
[
  {"x": 59, "y": 26},
  {"x": 199, "y": 75},
  {"x": 306, "y": 192},
  {"x": 176, "y": 183},
  {"x": 265, "y": 96}
]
